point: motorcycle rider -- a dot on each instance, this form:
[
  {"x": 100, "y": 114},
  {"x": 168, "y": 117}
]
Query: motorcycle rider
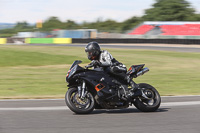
[{"x": 104, "y": 59}]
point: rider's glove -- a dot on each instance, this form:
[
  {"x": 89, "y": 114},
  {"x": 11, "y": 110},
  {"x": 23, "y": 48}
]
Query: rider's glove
[{"x": 95, "y": 63}]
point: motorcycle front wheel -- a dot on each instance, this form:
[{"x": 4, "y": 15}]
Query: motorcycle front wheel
[
  {"x": 150, "y": 102},
  {"x": 79, "y": 105}
]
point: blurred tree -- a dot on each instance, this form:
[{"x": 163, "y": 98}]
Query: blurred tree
[
  {"x": 162, "y": 10},
  {"x": 108, "y": 26},
  {"x": 170, "y": 10},
  {"x": 70, "y": 24},
  {"x": 21, "y": 25},
  {"x": 130, "y": 23},
  {"x": 52, "y": 23},
  {"x": 197, "y": 16},
  {"x": 103, "y": 26}
]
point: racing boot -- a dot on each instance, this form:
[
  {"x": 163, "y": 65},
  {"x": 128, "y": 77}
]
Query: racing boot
[
  {"x": 130, "y": 82},
  {"x": 133, "y": 85}
]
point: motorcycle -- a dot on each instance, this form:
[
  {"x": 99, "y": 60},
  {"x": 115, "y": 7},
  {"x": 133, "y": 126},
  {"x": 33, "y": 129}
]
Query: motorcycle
[{"x": 91, "y": 89}]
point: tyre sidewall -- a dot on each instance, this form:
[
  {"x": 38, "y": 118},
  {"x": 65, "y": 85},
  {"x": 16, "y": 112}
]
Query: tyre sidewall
[
  {"x": 148, "y": 108},
  {"x": 73, "y": 108}
]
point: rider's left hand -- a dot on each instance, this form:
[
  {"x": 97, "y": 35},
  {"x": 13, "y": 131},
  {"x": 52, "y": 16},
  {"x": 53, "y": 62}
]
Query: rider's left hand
[{"x": 95, "y": 63}]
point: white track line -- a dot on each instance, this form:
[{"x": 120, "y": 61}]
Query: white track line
[
  {"x": 7, "y": 100},
  {"x": 183, "y": 96},
  {"x": 35, "y": 108},
  {"x": 170, "y": 104},
  {"x": 55, "y": 108}
]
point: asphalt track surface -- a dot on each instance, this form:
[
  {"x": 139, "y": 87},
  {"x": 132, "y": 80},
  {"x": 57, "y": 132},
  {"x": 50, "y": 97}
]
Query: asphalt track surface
[
  {"x": 175, "y": 115},
  {"x": 163, "y": 47}
]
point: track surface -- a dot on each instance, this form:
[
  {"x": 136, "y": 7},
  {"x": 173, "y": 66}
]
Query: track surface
[
  {"x": 176, "y": 115},
  {"x": 164, "y": 47}
]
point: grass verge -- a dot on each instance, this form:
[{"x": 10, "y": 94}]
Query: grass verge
[{"x": 39, "y": 71}]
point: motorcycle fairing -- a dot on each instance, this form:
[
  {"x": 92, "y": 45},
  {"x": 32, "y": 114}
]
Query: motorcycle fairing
[
  {"x": 99, "y": 81},
  {"x": 99, "y": 87},
  {"x": 134, "y": 69}
]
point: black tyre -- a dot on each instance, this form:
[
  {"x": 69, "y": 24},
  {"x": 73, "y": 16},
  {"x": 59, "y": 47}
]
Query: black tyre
[
  {"x": 152, "y": 101},
  {"x": 78, "y": 105}
]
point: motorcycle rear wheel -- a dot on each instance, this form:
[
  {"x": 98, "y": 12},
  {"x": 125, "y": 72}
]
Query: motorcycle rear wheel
[
  {"x": 78, "y": 105},
  {"x": 152, "y": 103}
]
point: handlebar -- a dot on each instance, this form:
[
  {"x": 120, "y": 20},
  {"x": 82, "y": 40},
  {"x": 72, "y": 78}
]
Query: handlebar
[
  {"x": 94, "y": 63},
  {"x": 89, "y": 66}
]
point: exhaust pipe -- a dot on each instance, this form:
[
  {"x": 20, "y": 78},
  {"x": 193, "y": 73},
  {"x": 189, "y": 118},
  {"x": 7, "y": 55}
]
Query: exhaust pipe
[{"x": 143, "y": 71}]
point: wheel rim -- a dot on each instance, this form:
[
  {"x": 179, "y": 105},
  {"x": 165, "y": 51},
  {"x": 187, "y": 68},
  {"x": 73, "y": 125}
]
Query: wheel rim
[
  {"x": 79, "y": 103},
  {"x": 151, "y": 97}
]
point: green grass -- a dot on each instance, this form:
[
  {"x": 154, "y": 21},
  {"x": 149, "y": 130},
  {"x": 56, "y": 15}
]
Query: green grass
[
  {"x": 39, "y": 71},
  {"x": 17, "y": 57}
]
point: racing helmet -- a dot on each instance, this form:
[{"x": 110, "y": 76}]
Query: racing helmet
[{"x": 93, "y": 50}]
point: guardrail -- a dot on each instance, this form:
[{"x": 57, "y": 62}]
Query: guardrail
[
  {"x": 156, "y": 41},
  {"x": 48, "y": 40}
]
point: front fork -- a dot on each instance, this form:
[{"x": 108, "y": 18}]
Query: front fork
[{"x": 82, "y": 92}]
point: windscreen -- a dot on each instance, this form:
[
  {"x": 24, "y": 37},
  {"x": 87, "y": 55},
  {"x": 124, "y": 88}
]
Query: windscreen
[{"x": 75, "y": 63}]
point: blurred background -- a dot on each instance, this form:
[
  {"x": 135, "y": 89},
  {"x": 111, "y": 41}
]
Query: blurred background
[{"x": 100, "y": 19}]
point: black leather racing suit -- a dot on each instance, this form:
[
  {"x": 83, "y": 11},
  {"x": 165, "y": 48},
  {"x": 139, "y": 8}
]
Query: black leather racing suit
[{"x": 112, "y": 66}]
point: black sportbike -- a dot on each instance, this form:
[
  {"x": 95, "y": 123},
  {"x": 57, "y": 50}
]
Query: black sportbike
[{"x": 91, "y": 89}]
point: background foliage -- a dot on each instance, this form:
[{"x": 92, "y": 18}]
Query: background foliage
[{"x": 162, "y": 10}]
